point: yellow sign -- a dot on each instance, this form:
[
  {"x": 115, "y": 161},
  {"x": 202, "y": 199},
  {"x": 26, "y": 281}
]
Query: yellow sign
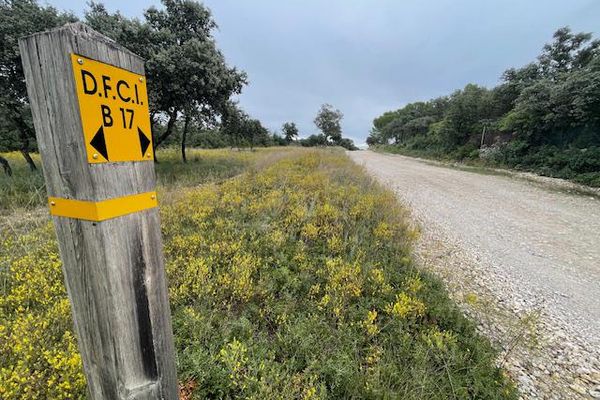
[
  {"x": 102, "y": 210},
  {"x": 113, "y": 104}
]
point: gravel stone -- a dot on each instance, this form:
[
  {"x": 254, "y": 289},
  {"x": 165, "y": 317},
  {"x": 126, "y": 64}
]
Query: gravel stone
[{"x": 521, "y": 257}]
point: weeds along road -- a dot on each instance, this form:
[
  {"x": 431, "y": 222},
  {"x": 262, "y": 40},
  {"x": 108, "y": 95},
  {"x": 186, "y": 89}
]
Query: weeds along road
[{"x": 522, "y": 258}]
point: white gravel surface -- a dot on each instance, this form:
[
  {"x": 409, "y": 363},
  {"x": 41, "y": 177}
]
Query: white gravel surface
[{"x": 521, "y": 258}]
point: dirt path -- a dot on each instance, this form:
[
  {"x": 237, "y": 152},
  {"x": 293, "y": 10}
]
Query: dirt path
[{"x": 522, "y": 259}]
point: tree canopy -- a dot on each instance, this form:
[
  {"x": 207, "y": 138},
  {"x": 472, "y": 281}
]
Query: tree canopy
[
  {"x": 188, "y": 77},
  {"x": 544, "y": 116},
  {"x": 290, "y": 131},
  {"x": 187, "y": 74},
  {"x": 329, "y": 122},
  {"x": 20, "y": 18},
  {"x": 190, "y": 84}
]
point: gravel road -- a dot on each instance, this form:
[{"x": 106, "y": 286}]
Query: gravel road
[{"x": 521, "y": 258}]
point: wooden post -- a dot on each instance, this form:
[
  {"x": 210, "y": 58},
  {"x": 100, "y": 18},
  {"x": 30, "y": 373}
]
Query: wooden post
[
  {"x": 104, "y": 209},
  {"x": 483, "y": 136}
]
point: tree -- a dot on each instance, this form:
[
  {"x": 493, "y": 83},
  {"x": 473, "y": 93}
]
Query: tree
[
  {"x": 19, "y": 18},
  {"x": 255, "y": 133},
  {"x": 188, "y": 67},
  {"x": 380, "y": 122},
  {"x": 462, "y": 119},
  {"x": 348, "y": 144},
  {"x": 314, "y": 140},
  {"x": 557, "y": 113},
  {"x": 278, "y": 140},
  {"x": 8, "y": 139},
  {"x": 567, "y": 52},
  {"x": 187, "y": 74},
  {"x": 328, "y": 120},
  {"x": 375, "y": 138},
  {"x": 290, "y": 131},
  {"x": 544, "y": 116},
  {"x": 232, "y": 123},
  {"x": 243, "y": 130}
]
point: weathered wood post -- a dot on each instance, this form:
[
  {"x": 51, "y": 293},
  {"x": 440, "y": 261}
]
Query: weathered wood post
[{"x": 90, "y": 111}]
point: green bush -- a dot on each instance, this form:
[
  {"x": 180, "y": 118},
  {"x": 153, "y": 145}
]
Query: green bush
[
  {"x": 580, "y": 165},
  {"x": 466, "y": 152},
  {"x": 547, "y": 110},
  {"x": 211, "y": 139}
]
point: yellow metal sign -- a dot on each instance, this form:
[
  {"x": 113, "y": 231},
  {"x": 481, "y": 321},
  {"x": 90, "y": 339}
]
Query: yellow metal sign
[
  {"x": 102, "y": 210},
  {"x": 113, "y": 104}
]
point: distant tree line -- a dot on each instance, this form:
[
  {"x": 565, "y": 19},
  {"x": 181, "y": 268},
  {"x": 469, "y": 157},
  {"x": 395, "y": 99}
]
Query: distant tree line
[
  {"x": 238, "y": 130},
  {"x": 190, "y": 85},
  {"x": 543, "y": 117}
]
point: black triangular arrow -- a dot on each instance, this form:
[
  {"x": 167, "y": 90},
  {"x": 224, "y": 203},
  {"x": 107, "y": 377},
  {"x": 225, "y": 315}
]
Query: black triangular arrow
[
  {"x": 144, "y": 141},
  {"x": 99, "y": 143}
]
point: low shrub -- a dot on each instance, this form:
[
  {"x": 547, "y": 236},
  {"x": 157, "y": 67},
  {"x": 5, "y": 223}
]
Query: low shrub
[
  {"x": 297, "y": 282},
  {"x": 291, "y": 281},
  {"x": 579, "y": 165}
]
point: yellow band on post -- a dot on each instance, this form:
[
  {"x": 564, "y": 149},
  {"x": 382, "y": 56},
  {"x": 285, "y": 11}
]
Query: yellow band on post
[{"x": 102, "y": 210}]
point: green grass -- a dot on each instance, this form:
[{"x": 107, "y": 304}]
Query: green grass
[
  {"x": 25, "y": 190},
  {"x": 292, "y": 280},
  {"x": 203, "y": 166}
]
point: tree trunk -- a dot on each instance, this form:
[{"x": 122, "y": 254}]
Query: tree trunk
[
  {"x": 6, "y": 166},
  {"x": 165, "y": 134},
  {"x": 184, "y": 135},
  {"x": 25, "y": 133},
  {"x": 29, "y": 160},
  {"x": 153, "y": 133},
  {"x": 154, "y": 152},
  {"x": 169, "y": 130}
]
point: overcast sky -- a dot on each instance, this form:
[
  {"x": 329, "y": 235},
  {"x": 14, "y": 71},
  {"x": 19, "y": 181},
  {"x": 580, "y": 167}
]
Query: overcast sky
[{"x": 366, "y": 57}]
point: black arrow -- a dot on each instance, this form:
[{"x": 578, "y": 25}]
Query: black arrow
[
  {"x": 99, "y": 143},
  {"x": 144, "y": 141}
]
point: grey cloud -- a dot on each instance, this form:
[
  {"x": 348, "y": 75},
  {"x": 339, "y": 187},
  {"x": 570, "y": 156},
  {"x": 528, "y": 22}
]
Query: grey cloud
[{"x": 366, "y": 57}]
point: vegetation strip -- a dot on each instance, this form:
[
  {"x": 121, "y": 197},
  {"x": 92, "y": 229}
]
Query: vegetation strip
[
  {"x": 291, "y": 281},
  {"x": 542, "y": 118}
]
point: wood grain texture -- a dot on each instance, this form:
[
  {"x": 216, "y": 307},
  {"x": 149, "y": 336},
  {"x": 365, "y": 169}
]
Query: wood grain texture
[{"x": 114, "y": 270}]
